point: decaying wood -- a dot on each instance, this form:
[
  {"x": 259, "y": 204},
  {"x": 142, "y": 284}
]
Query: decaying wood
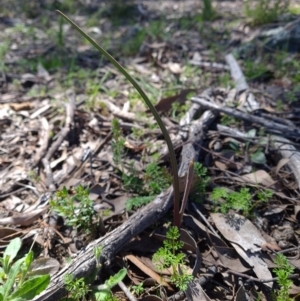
[
  {"x": 281, "y": 146},
  {"x": 44, "y": 141},
  {"x": 70, "y": 109},
  {"x": 269, "y": 125},
  {"x": 49, "y": 174},
  {"x": 241, "y": 84},
  {"x": 286, "y": 150}
]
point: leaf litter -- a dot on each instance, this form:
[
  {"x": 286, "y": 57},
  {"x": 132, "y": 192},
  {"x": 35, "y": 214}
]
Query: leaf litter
[{"x": 56, "y": 131}]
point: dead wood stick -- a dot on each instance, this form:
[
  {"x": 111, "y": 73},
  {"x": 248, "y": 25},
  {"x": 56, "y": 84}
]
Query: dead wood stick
[
  {"x": 49, "y": 174},
  {"x": 70, "y": 110},
  {"x": 281, "y": 145},
  {"x": 270, "y": 125},
  {"x": 44, "y": 141},
  {"x": 236, "y": 73},
  {"x": 241, "y": 83}
]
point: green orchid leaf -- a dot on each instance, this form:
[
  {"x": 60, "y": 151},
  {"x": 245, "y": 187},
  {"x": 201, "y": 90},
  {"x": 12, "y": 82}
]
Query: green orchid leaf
[
  {"x": 115, "y": 279},
  {"x": 31, "y": 288},
  {"x": 258, "y": 157},
  {"x": 13, "y": 273},
  {"x": 102, "y": 295},
  {"x": 12, "y": 249},
  {"x": 153, "y": 111}
]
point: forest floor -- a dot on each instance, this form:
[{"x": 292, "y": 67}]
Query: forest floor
[{"x": 84, "y": 164}]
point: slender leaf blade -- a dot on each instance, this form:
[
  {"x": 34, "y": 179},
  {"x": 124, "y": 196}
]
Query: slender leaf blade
[{"x": 31, "y": 288}]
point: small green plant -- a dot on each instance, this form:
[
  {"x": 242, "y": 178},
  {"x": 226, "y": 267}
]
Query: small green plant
[
  {"x": 264, "y": 11},
  {"x": 208, "y": 12},
  {"x": 156, "y": 179},
  {"x": 264, "y": 195},
  {"x": 118, "y": 141},
  {"x": 228, "y": 120},
  {"x": 15, "y": 280},
  {"x": 255, "y": 70},
  {"x": 283, "y": 272},
  {"x": 178, "y": 110},
  {"x": 169, "y": 256},
  {"x": 138, "y": 289},
  {"x": 138, "y": 202},
  {"x": 239, "y": 200},
  {"x": 233, "y": 200},
  {"x": 33, "y": 176},
  {"x": 79, "y": 289},
  {"x": 201, "y": 172},
  {"x": 78, "y": 209}
]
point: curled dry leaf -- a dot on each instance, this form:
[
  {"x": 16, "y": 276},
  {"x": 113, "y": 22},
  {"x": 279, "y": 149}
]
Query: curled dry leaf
[
  {"x": 43, "y": 266},
  {"x": 151, "y": 273},
  {"x": 134, "y": 146},
  {"x": 24, "y": 219},
  {"x": 281, "y": 163},
  {"x": 258, "y": 177}
]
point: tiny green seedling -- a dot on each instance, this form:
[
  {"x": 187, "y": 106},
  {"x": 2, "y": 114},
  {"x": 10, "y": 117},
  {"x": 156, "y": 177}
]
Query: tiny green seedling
[
  {"x": 169, "y": 256},
  {"x": 239, "y": 200},
  {"x": 78, "y": 209},
  {"x": 283, "y": 272},
  {"x": 138, "y": 289},
  {"x": 155, "y": 180},
  {"x": 201, "y": 172},
  {"x": 118, "y": 141},
  {"x": 265, "y": 11},
  {"x": 79, "y": 289},
  {"x": 16, "y": 282}
]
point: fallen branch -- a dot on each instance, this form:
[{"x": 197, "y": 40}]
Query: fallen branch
[{"x": 270, "y": 125}]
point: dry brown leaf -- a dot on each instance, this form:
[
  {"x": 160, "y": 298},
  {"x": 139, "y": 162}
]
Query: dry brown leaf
[
  {"x": 43, "y": 266},
  {"x": 269, "y": 246},
  {"x": 24, "y": 219},
  {"x": 134, "y": 147},
  {"x": 258, "y": 177},
  {"x": 147, "y": 271},
  {"x": 165, "y": 104},
  {"x": 21, "y": 106},
  {"x": 281, "y": 163},
  {"x": 221, "y": 165},
  {"x": 175, "y": 68}
]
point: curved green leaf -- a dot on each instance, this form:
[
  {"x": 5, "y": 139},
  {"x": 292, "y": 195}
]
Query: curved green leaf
[
  {"x": 153, "y": 111},
  {"x": 31, "y": 288}
]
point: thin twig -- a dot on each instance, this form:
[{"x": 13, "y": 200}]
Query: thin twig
[{"x": 270, "y": 125}]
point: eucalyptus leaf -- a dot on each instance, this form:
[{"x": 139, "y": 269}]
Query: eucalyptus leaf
[
  {"x": 31, "y": 288},
  {"x": 258, "y": 157}
]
